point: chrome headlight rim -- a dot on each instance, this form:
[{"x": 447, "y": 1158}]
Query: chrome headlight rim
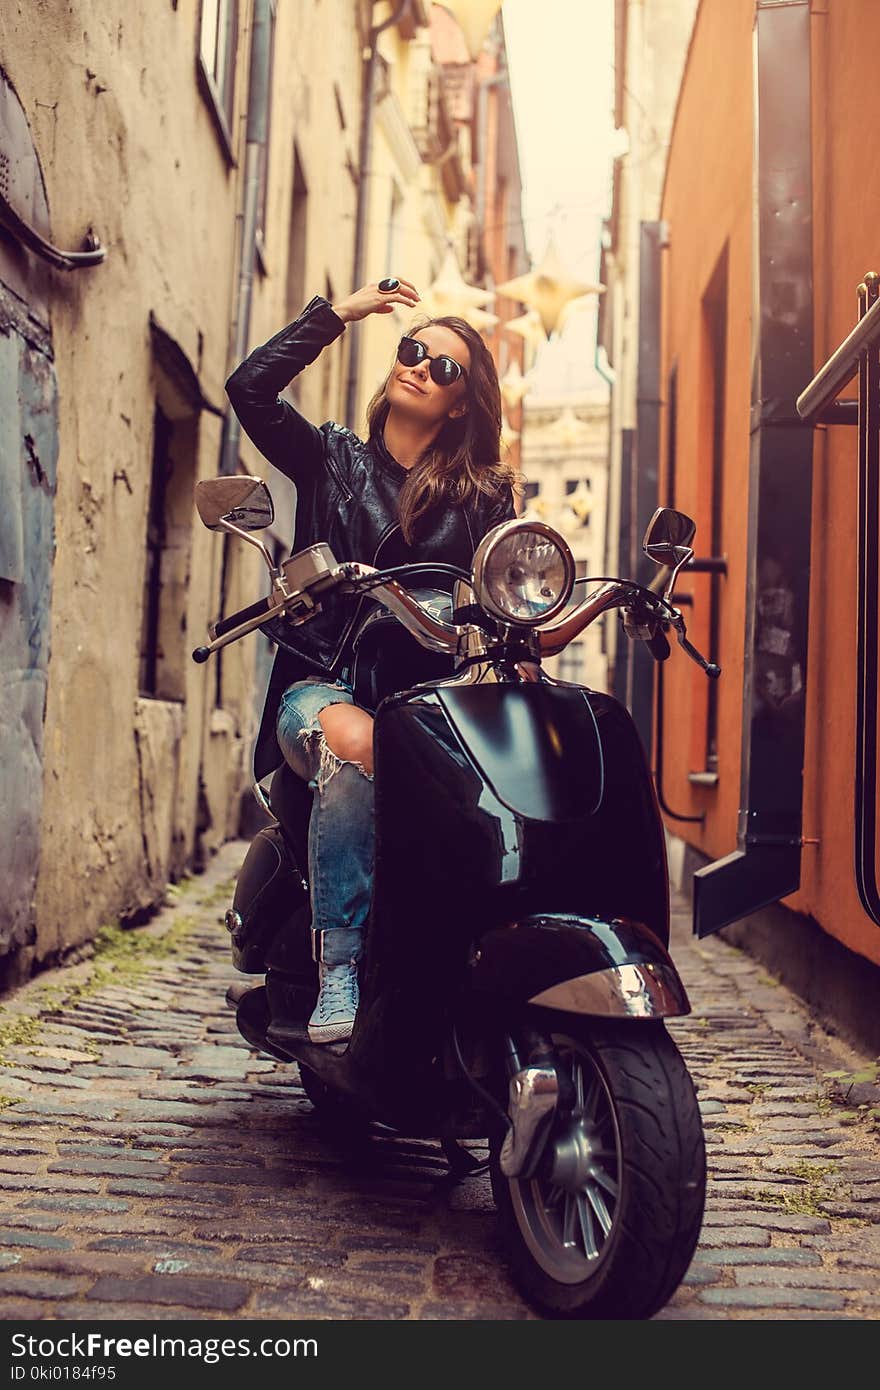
[{"x": 486, "y": 549}]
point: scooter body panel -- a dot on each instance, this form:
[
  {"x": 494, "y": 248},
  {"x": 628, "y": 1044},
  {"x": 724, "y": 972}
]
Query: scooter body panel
[
  {"x": 554, "y": 961},
  {"x": 518, "y": 847},
  {"x": 495, "y": 802},
  {"x": 461, "y": 859}
]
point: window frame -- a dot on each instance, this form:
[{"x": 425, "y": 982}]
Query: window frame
[
  {"x": 220, "y": 96},
  {"x": 263, "y": 196}
]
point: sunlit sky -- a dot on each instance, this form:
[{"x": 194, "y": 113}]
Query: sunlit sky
[{"x": 560, "y": 54}]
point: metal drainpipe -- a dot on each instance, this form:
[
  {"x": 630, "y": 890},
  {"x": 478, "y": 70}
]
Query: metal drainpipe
[
  {"x": 766, "y": 865},
  {"x": 360, "y": 229},
  {"x": 646, "y": 464},
  {"x": 255, "y": 139}
]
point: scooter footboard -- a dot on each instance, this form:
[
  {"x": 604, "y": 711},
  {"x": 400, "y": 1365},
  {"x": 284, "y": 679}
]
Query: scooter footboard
[{"x": 582, "y": 965}]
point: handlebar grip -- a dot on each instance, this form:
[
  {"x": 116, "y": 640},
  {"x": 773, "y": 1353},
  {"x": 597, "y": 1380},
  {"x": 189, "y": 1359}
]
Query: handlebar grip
[
  {"x": 244, "y": 615},
  {"x": 658, "y": 646}
]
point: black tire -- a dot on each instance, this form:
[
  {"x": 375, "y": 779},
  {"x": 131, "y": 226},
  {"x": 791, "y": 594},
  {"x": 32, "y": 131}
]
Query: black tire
[{"x": 607, "y": 1226}]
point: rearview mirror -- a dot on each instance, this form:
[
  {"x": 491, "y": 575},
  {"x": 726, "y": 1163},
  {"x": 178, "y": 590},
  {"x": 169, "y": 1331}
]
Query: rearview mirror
[
  {"x": 236, "y": 500},
  {"x": 668, "y": 537},
  {"x": 668, "y": 542}
]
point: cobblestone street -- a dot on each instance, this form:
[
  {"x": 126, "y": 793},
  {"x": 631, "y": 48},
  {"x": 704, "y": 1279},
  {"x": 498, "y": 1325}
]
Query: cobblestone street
[{"x": 154, "y": 1167}]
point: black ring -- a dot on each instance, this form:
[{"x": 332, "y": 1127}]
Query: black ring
[{"x": 389, "y": 284}]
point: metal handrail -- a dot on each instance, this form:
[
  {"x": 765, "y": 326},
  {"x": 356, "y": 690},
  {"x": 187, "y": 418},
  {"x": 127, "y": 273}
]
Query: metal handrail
[
  {"x": 859, "y": 353},
  {"x": 840, "y": 367},
  {"x": 29, "y": 237}
]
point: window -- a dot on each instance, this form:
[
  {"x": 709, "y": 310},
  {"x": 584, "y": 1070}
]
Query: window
[
  {"x": 163, "y": 652},
  {"x": 296, "y": 252},
  {"x": 216, "y": 64},
  {"x": 263, "y": 197},
  {"x": 530, "y": 491}
]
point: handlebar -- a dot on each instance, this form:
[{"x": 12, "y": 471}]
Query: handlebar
[
  {"x": 432, "y": 632},
  {"x": 259, "y": 609},
  {"x": 647, "y": 609},
  {"x": 648, "y": 605}
]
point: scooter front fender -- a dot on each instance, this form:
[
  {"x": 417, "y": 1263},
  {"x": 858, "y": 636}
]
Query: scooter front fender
[{"x": 580, "y": 965}]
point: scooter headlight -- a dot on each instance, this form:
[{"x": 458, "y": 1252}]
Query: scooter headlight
[{"x": 523, "y": 572}]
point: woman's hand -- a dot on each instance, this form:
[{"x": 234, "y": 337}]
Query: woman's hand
[{"x": 371, "y": 300}]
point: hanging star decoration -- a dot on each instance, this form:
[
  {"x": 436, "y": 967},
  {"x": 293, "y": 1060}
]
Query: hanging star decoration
[
  {"x": 529, "y": 327},
  {"x": 474, "y": 18},
  {"x": 547, "y": 289},
  {"x": 509, "y": 435},
  {"x": 449, "y": 293},
  {"x": 568, "y": 429},
  {"x": 539, "y": 507},
  {"x": 514, "y": 385},
  {"x": 478, "y": 318},
  {"x": 580, "y": 503}
]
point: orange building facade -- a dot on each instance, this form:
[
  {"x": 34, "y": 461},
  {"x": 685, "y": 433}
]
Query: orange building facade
[{"x": 771, "y": 208}]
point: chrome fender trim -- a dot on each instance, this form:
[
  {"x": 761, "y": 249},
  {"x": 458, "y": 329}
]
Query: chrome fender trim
[{"x": 621, "y": 991}]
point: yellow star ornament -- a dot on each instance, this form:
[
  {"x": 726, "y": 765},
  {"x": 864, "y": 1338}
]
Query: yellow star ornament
[{"x": 547, "y": 289}]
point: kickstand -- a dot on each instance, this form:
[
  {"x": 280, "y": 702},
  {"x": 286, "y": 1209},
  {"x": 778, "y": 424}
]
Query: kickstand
[{"x": 461, "y": 1162}]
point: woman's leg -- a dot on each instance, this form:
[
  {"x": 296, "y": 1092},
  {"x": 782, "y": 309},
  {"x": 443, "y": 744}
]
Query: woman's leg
[{"x": 328, "y": 741}]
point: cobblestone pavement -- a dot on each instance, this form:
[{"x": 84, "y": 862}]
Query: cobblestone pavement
[{"x": 154, "y": 1167}]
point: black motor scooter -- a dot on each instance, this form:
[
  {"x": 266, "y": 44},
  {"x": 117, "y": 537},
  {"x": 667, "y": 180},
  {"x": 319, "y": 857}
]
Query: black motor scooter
[{"x": 516, "y": 974}]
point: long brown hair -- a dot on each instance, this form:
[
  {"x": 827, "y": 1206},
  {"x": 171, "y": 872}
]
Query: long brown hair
[{"x": 463, "y": 461}]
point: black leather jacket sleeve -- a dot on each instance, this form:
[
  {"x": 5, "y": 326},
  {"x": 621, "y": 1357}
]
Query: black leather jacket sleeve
[{"x": 281, "y": 434}]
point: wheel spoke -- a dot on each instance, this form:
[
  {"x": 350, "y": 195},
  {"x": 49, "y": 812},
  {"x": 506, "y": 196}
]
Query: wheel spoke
[
  {"x": 568, "y": 1220},
  {"x": 554, "y": 1197},
  {"x": 601, "y": 1175},
  {"x": 579, "y": 1087},
  {"x": 597, "y": 1202},
  {"x": 592, "y": 1099},
  {"x": 585, "y": 1217}
]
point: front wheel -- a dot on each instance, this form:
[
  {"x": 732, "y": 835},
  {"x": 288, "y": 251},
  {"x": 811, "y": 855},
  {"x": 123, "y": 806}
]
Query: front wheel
[{"x": 608, "y": 1224}]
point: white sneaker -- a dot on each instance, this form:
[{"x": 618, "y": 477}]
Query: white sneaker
[{"x": 333, "y": 1015}]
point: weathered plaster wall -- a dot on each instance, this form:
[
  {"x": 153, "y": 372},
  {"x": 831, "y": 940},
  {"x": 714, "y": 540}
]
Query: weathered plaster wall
[{"x": 128, "y": 147}]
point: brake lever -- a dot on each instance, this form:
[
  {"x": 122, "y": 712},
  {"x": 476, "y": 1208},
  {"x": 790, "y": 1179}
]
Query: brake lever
[{"x": 677, "y": 622}]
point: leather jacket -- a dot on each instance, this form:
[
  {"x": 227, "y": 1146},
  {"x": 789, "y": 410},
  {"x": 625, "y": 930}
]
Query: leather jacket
[{"x": 347, "y": 492}]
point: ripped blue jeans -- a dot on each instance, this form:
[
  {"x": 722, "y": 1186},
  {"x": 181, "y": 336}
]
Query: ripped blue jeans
[{"x": 340, "y": 869}]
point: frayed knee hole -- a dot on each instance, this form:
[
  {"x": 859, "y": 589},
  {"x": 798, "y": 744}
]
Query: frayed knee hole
[{"x": 329, "y": 762}]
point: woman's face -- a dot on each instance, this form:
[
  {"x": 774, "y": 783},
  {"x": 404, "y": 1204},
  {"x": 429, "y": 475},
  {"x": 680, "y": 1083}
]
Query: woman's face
[{"x": 412, "y": 390}]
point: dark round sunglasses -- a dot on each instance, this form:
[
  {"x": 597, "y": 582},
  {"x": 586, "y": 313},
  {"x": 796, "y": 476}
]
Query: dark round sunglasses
[{"x": 443, "y": 370}]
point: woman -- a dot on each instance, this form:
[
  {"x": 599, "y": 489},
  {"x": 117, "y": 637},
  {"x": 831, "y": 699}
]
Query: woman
[{"x": 426, "y": 485}]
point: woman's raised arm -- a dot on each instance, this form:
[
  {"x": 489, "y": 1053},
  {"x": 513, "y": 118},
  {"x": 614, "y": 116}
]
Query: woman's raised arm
[{"x": 282, "y": 435}]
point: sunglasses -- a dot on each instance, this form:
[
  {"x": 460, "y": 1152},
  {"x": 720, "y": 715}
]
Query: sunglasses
[{"x": 443, "y": 370}]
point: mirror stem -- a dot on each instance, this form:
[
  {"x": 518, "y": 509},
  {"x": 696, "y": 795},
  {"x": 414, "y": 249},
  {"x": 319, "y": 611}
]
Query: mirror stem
[
  {"x": 251, "y": 540},
  {"x": 667, "y": 597}
]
